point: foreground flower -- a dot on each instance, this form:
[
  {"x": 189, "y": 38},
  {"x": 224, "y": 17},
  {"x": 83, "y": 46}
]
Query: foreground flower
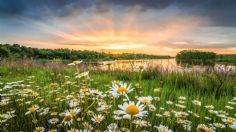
[
  {"x": 162, "y": 128},
  {"x": 32, "y": 109},
  {"x": 73, "y": 112},
  {"x": 196, "y": 102},
  {"x": 53, "y": 121},
  {"x": 39, "y": 129},
  {"x": 97, "y": 118},
  {"x": 140, "y": 68},
  {"x": 141, "y": 123},
  {"x": 132, "y": 109},
  {"x": 145, "y": 100},
  {"x": 68, "y": 119},
  {"x": 84, "y": 74},
  {"x": 204, "y": 128},
  {"x": 121, "y": 89},
  {"x": 229, "y": 121},
  {"x": 112, "y": 127}
]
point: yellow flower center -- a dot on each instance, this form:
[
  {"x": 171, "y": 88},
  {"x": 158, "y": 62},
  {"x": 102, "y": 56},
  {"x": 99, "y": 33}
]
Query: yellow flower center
[
  {"x": 145, "y": 101},
  {"x": 98, "y": 120},
  {"x": 73, "y": 113},
  {"x": 202, "y": 130},
  {"x": 229, "y": 121},
  {"x": 164, "y": 130},
  {"x": 141, "y": 67},
  {"x": 116, "y": 82},
  {"x": 179, "y": 114},
  {"x": 38, "y": 129},
  {"x": 67, "y": 118},
  {"x": 122, "y": 90},
  {"x": 54, "y": 120},
  {"x": 132, "y": 110}
]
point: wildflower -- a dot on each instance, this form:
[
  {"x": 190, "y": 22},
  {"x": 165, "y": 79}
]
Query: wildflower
[
  {"x": 112, "y": 127},
  {"x": 207, "y": 118},
  {"x": 167, "y": 114},
  {"x": 39, "y": 129},
  {"x": 204, "y": 128},
  {"x": 181, "y": 102},
  {"x": 140, "y": 68},
  {"x": 169, "y": 102},
  {"x": 196, "y": 102},
  {"x": 132, "y": 109},
  {"x": 229, "y": 121},
  {"x": 209, "y": 107},
  {"x": 53, "y": 121},
  {"x": 181, "y": 114},
  {"x": 196, "y": 115},
  {"x": 84, "y": 74},
  {"x": 72, "y": 112},
  {"x": 229, "y": 107},
  {"x": 162, "y": 128},
  {"x": 52, "y": 130},
  {"x": 32, "y": 109},
  {"x": 145, "y": 100},
  {"x": 140, "y": 123},
  {"x": 53, "y": 85},
  {"x": 158, "y": 115},
  {"x": 73, "y": 130},
  {"x": 152, "y": 107},
  {"x": 87, "y": 126},
  {"x": 97, "y": 118},
  {"x": 73, "y": 104},
  {"x": 219, "y": 125},
  {"x": 232, "y": 103},
  {"x": 182, "y": 98},
  {"x": 157, "y": 90},
  {"x": 125, "y": 129},
  {"x": 180, "y": 106},
  {"x": 121, "y": 89},
  {"x": 68, "y": 119},
  {"x": 116, "y": 82},
  {"x": 187, "y": 127}
]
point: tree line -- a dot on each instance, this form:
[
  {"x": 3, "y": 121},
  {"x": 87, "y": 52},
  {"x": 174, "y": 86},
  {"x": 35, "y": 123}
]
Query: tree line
[{"x": 16, "y": 51}]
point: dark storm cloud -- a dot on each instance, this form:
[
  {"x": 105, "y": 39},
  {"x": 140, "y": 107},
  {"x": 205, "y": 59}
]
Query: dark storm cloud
[
  {"x": 34, "y": 8},
  {"x": 220, "y": 12}
]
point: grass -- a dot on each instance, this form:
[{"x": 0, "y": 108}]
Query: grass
[{"x": 50, "y": 87}]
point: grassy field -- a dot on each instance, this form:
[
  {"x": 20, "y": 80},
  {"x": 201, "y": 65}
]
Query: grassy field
[{"x": 67, "y": 98}]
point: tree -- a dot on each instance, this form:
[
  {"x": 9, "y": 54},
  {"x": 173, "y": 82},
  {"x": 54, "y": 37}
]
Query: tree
[{"x": 4, "y": 52}]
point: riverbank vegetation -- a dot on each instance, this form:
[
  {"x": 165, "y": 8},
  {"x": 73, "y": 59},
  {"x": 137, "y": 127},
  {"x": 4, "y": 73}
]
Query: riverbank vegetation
[{"x": 196, "y": 57}]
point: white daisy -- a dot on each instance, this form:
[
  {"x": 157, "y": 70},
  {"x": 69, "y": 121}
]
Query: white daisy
[
  {"x": 145, "y": 100},
  {"x": 68, "y": 119},
  {"x": 97, "y": 118},
  {"x": 132, "y": 109},
  {"x": 121, "y": 89},
  {"x": 162, "y": 128}
]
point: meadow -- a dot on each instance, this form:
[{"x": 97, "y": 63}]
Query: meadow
[{"x": 57, "y": 97}]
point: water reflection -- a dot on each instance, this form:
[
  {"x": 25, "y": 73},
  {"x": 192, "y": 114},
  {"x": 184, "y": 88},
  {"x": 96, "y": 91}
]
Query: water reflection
[{"x": 168, "y": 65}]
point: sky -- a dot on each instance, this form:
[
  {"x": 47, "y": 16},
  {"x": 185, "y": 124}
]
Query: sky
[{"x": 162, "y": 27}]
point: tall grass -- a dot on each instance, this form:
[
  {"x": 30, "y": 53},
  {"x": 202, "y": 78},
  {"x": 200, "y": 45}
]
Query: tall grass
[{"x": 172, "y": 85}]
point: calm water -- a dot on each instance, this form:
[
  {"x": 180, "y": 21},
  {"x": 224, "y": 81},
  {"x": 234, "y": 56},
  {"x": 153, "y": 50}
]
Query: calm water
[{"x": 168, "y": 65}]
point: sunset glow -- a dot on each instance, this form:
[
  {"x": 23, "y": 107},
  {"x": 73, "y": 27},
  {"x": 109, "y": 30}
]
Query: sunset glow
[{"x": 117, "y": 27}]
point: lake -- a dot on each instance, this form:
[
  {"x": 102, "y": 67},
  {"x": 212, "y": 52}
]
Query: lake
[{"x": 168, "y": 65}]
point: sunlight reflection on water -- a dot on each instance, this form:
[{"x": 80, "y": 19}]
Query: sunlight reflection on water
[{"x": 167, "y": 65}]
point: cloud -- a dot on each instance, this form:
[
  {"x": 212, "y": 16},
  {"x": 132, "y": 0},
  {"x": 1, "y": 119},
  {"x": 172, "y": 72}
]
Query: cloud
[{"x": 141, "y": 25}]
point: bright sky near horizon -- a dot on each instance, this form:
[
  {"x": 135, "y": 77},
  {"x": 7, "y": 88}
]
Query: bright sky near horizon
[{"x": 142, "y": 26}]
